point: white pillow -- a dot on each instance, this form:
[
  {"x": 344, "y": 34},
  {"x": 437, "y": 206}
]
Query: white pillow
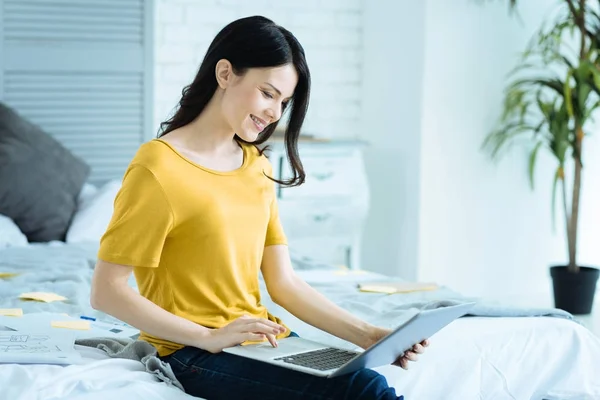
[
  {"x": 10, "y": 234},
  {"x": 93, "y": 214},
  {"x": 88, "y": 191}
]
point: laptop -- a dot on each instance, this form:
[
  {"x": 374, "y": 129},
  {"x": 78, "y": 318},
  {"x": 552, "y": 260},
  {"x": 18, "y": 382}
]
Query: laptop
[{"x": 327, "y": 361}]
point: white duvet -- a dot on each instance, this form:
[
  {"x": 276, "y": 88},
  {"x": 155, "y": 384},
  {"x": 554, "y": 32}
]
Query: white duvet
[
  {"x": 472, "y": 358},
  {"x": 100, "y": 378},
  {"x": 519, "y": 358},
  {"x": 505, "y": 358}
]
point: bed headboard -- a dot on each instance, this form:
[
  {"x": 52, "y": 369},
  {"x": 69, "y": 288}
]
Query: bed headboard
[{"x": 83, "y": 71}]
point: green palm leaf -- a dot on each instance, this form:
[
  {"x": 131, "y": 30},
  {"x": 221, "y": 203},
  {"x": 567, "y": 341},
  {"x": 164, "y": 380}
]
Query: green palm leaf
[{"x": 532, "y": 158}]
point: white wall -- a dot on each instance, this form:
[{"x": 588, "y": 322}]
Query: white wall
[
  {"x": 329, "y": 31},
  {"x": 422, "y": 82},
  {"x": 482, "y": 230},
  {"x": 347, "y": 46},
  {"x": 392, "y": 90}
]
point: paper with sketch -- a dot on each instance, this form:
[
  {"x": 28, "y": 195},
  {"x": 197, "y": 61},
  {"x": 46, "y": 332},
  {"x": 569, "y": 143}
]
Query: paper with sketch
[
  {"x": 42, "y": 322},
  {"x": 37, "y": 348}
]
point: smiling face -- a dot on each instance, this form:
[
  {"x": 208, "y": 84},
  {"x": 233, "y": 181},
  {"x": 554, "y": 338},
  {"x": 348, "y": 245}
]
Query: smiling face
[{"x": 256, "y": 99}]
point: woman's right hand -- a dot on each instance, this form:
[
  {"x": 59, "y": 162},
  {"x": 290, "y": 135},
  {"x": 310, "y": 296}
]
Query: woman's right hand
[{"x": 243, "y": 329}]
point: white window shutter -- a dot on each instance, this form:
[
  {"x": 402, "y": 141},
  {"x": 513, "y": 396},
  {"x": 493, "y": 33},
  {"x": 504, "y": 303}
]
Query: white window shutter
[{"x": 82, "y": 70}]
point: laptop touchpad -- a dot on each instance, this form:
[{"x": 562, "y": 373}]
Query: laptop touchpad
[{"x": 285, "y": 346}]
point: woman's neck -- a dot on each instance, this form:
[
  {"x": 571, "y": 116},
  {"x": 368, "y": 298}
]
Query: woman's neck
[{"x": 209, "y": 132}]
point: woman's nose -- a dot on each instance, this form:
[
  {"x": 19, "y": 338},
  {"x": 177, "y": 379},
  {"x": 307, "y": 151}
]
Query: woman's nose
[{"x": 273, "y": 115}]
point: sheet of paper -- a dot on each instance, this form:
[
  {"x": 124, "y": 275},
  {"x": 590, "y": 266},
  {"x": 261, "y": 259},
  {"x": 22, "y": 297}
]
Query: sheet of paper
[
  {"x": 6, "y": 275},
  {"x": 77, "y": 324},
  {"x": 25, "y": 347},
  {"x": 117, "y": 330},
  {"x": 42, "y": 321},
  {"x": 11, "y": 312},
  {"x": 42, "y": 296}
]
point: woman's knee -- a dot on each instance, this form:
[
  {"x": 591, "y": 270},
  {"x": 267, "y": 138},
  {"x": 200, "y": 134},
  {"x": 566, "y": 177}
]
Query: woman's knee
[{"x": 368, "y": 384}]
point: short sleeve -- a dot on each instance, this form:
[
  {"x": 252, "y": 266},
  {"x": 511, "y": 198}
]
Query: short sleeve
[
  {"x": 141, "y": 221},
  {"x": 275, "y": 232}
]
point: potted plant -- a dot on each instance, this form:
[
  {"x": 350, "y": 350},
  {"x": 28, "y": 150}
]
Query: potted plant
[{"x": 552, "y": 96}]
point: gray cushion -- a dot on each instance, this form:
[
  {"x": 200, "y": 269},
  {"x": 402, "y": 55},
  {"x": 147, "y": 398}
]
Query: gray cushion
[{"x": 39, "y": 178}]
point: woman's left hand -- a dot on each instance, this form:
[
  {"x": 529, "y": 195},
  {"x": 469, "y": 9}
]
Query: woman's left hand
[{"x": 402, "y": 361}]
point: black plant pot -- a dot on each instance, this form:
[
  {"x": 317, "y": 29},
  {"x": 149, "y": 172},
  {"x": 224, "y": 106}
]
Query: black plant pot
[{"x": 574, "y": 292}]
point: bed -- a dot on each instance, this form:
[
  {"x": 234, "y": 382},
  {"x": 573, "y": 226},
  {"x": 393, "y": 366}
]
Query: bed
[
  {"x": 473, "y": 358},
  {"x": 50, "y": 227}
]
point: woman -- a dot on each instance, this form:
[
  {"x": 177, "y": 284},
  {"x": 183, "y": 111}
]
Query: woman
[{"x": 196, "y": 221}]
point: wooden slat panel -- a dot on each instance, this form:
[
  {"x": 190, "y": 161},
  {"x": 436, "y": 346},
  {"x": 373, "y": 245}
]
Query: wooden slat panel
[
  {"x": 91, "y": 57},
  {"x": 82, "y": 70},
  {"x": 103, "y": 128},
  {"x": 99, "y": 4},
  {"x": 73, "y": 21},
  {"x": 75, "y": 81}
]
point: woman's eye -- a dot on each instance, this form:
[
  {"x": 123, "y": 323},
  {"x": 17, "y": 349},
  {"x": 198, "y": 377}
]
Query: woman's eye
[{"x": 267, "y": 95}]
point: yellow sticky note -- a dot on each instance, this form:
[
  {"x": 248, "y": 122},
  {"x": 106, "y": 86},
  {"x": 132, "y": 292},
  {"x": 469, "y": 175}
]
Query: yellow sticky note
[
  {"x": 80, "y": 325},
  {"x": 5, "y": 275},
  {"x": 42, "y": 296},
  {"x": 11, "y": 312},
  {"x": 358, "y": 272},
  {"x": 396, "y": 287},
  {"x": 378, "y": 289}
]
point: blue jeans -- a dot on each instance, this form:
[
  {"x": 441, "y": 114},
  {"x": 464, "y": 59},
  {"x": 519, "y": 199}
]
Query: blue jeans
[{"x": 227, "y": 376}]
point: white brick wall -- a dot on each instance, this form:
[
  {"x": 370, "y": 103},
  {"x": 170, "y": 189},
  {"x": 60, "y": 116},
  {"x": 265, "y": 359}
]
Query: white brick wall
[{"x": 329, "y": 30}]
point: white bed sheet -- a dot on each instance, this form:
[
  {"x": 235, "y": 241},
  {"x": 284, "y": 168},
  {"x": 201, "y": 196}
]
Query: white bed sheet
[
  {"x": 505, "y": 358},
  {"x": 99, "y": 378},
  {"x": 476, "y": 357},
  {"x": 472, "y": 358}
]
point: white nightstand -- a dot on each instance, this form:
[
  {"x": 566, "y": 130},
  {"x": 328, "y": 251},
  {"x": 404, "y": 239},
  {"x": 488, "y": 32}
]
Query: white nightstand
[{"x": 324, "y": 217}]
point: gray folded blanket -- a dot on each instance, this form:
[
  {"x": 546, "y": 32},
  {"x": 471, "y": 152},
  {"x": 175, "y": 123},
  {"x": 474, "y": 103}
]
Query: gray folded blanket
[
  {"x": 483, "y": 309},
  {"x": 138, "y": 350}
]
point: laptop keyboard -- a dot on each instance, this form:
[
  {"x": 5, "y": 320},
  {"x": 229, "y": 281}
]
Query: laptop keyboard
[{"x": 323, "y": 359}]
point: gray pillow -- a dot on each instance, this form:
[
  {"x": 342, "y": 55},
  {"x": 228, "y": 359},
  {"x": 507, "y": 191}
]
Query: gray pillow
[{"x": 39, "y": 178}]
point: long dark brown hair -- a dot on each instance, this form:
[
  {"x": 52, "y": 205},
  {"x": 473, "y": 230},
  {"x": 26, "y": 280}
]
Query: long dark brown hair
[{"x": 251, "y": 42}]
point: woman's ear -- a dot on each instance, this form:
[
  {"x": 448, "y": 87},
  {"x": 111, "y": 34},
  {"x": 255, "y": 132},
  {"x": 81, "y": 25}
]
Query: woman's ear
[{"x": 224, "y": 73}]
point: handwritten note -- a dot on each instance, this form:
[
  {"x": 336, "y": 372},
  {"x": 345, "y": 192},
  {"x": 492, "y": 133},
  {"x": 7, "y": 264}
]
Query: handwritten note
[{"x": 25, "y": 347}]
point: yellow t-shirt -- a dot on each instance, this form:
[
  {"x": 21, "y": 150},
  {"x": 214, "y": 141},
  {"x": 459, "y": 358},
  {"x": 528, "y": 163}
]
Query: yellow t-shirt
[{"x": 194, "y": 236}]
